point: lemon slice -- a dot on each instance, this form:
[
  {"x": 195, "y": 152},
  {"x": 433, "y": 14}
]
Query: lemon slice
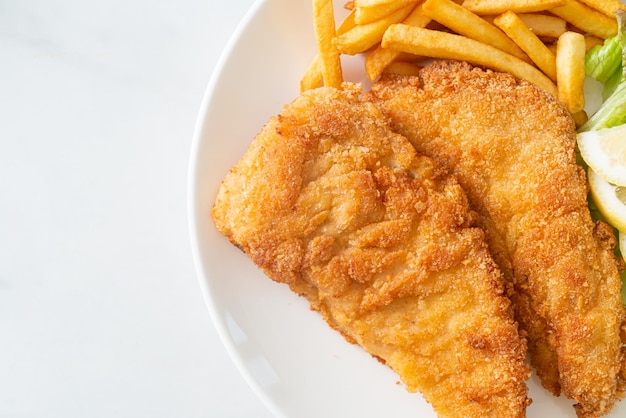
[
  {"x": 604, "y": 151},
  {"x": 622, "y": 244},
  {"x": 610, "y": 200}
]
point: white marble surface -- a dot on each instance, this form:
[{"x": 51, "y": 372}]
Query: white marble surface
[{"x": 101, "y": 313}]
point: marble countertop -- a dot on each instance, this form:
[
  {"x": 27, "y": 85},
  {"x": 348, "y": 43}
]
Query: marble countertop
[{"x": 101, "y": 314}]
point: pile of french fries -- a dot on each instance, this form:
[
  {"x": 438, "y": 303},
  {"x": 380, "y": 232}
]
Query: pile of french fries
[{"x": 542, "y": 41}]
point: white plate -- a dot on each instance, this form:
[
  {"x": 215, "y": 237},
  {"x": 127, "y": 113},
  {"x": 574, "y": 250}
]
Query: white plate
[{"x": 297, "y": 365}]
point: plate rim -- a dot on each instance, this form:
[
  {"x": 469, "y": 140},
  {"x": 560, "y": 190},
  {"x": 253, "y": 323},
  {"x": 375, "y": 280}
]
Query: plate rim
[{"x": 193, "y": 211}]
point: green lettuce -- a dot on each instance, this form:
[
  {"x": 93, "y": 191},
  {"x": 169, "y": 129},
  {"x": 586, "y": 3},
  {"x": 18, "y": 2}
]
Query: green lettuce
[
  {"x": 606, "y": 63},
  {"x": 603, "y": 61}
]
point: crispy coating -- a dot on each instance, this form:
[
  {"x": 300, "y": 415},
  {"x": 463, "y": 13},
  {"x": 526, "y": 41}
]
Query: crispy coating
[
  {"x": 381, "y": 241},
  {"x": 512, "y": 148}
]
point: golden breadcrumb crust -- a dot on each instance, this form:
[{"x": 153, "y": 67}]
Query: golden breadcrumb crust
[
  {"x": 512, "y": 147},
  {"x": 381, "y": 241}
]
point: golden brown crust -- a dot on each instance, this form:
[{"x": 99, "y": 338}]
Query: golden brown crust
[
  {"x": 512, "y": 148},
  {"x": 382, "y": 242}
]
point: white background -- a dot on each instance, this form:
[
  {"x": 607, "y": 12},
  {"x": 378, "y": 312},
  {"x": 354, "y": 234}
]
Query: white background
[{"x": 101, "y": 313}]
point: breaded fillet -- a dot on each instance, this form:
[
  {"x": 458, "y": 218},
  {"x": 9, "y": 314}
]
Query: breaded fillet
[
  {"x": 380, "y": 240},
  {"x": 512, "y": 147}
]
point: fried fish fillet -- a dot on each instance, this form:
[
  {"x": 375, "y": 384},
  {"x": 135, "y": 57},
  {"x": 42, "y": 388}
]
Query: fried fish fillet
[
  {"x": 380, "y": 240},
  {"x": 512, "y": 148}
]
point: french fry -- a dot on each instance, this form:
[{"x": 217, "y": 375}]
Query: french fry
[
  {"x": 587, "y": 19},
  {"x": 402, "y": 68},
  {"x": 591, "y": 41},
  {"x": 313, "y": 76},
  {"x": 372, "y": 3},
  {"x": 517, "y": 30},
  {"x": 377, "y": 60},
  {"x": 436, "y": 44},
  {"x": 570, "y": 70},
  {"x": 496, "y": 7},
  {"x": 363, "y": 37},
  {"x": 544, "y": 25},
  {"x": 368, "y": 14},
  {"x": 514, "y": 36},
  {"x": 580, "y": 118},
  {"x": 467, "y": 23},
  {"x": 608, "y": 7},
  {"x": 347, "y": 24},
  {"x": 325, "y": 34}
]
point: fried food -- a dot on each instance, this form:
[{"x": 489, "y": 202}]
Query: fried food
[
  {"x": 512, "y": 148},
  {"x": 381, "y": 241}
]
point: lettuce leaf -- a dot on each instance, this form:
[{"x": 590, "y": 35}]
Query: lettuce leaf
[
  {"x": 606, "y": 63},
  {"x": 603, "y": 61}
]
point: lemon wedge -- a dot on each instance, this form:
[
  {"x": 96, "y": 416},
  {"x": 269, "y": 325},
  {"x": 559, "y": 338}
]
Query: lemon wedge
[
  {"x": 610, "y": 200},
  {"x": 604, "y": 151}
]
